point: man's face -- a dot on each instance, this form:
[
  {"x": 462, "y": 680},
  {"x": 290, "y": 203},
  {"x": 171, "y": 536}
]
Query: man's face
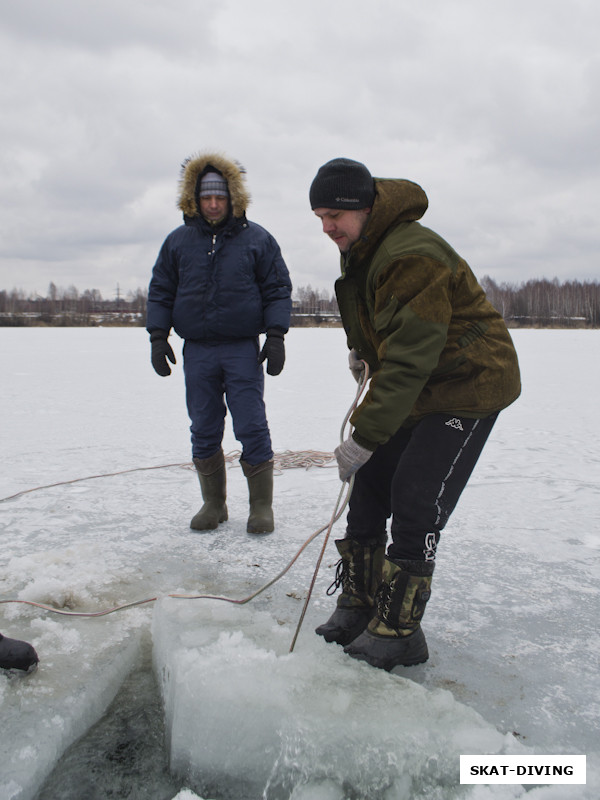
[
  {"x": 344, "y": 227},
  {"x": 214, "y": 208}
]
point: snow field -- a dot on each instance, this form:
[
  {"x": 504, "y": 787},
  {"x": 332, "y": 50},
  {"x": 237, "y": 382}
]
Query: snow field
[{"x": 511, "y": 624}]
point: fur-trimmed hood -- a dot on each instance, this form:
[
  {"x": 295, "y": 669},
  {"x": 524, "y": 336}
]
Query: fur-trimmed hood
[{"x": 233, "y": 172}]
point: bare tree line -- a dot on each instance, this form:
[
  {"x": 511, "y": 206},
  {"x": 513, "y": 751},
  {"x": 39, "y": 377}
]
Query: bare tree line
[
  {"x": 535, "y": 303},
  {"x": 543, "y": 303},
  {"x": 71, "y": 307}
]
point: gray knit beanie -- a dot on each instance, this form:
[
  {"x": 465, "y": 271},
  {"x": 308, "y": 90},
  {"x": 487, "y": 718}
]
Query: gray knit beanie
[
  {"x": 342, "y": 183},
  {"x": 212, "y": 183}
]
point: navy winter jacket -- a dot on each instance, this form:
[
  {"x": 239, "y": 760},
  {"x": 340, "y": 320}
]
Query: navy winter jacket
[{"x": 214, "y": 284}]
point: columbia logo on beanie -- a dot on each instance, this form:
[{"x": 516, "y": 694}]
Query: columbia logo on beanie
[{"x": 342, "y": 183}]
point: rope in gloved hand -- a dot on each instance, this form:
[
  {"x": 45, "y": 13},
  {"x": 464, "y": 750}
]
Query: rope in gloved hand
[
  {"x": 289, "y": 459},
  {"x": 337, "y": 511}
]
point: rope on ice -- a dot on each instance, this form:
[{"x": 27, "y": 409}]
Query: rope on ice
[{"x": 288, "y": 459}]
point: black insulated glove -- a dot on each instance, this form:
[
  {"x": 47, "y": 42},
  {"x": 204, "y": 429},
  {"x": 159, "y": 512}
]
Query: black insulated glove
[
  {"x": 273, "y": 351},
  {"x": 161, "y": 350}
]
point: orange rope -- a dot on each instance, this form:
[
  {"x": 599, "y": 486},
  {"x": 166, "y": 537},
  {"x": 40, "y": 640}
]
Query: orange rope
[
  {"x": 242, "y": 601},
  {"x": 321, "y": 460},
  {"x": 361, "y": 387}
]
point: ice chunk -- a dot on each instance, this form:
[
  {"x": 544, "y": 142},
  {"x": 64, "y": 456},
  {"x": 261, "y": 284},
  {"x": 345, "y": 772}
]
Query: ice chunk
[
  {"x": 82, "y": 665},
  {"x": 187, "y": 794},
  {"x": 245, "y": 718}
]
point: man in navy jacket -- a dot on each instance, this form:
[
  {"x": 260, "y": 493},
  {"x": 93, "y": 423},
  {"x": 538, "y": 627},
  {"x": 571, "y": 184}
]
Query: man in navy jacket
[{"x": 220, "y": 281}]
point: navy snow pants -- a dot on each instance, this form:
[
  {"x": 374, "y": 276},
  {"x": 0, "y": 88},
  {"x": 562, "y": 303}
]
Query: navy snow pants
[
  {"x": 226, "y": 371},
  {"x": 416, "y": 478}
]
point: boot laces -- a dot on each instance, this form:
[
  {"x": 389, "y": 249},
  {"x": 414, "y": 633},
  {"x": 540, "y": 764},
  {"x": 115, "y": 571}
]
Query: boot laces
[
  {"x": 383, "y": 599},
  {"x": 344, "y": 577},
  {"x": 339, "y": 578}
]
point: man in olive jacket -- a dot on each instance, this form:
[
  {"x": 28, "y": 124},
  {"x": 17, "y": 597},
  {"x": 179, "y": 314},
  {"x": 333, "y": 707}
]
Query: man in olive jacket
[{"x": 442, "y": 365}]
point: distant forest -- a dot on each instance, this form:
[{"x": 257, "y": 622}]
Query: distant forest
[{"x": 534, "y": 304}]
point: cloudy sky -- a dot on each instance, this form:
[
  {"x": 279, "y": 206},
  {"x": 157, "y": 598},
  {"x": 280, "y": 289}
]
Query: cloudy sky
[{"x": 493, "y": 107}]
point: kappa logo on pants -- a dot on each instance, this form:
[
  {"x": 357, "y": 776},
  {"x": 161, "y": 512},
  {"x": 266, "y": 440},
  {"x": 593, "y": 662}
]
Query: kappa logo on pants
[
  {"x": 455, "y": 423},
  {"x": 430, "y": 547}
]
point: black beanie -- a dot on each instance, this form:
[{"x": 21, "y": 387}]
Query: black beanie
[{"x": 342, "y": 183}]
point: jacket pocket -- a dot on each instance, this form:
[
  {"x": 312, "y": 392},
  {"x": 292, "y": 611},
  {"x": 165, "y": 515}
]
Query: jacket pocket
[
  {"x": 383, "y": 318},
  {"x": 473, "y": 332}
]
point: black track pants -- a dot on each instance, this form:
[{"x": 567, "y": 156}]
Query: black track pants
[{"x": 416, "y": 478}]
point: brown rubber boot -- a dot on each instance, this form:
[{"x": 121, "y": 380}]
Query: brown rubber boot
[
  {"x": 213, "y": 480},
  {"x": 260, "y": 491}
]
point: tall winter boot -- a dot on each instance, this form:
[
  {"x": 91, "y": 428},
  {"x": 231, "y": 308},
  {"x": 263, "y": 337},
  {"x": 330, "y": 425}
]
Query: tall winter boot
[
  {"x": 359, "y": 573},
  {"x": 15, "y": 654},
  {"x": 394, "y": 636},
  {"x": 213, "y": 480},
  {"x": 260, "y": 491}
]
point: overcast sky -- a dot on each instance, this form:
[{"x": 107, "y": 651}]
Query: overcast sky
[{"x": 493, "y": 107}]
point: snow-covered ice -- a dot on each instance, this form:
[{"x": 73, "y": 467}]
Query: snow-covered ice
[{"x": 511, "y": 626}]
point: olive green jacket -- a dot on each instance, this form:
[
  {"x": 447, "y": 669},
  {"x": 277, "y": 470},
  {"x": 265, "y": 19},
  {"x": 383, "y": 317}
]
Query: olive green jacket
[{"x": 414, "y": 311}]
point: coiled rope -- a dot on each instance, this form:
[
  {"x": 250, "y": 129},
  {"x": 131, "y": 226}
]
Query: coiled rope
[{"x": 285, "y": 460}]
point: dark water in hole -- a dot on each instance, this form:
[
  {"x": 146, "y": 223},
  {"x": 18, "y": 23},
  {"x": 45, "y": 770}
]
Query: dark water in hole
[{"x": 123, "y": 755}]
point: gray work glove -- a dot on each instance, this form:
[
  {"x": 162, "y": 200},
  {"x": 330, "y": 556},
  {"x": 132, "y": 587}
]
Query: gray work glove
[
  {"x": 161, "y": 350},
  {"x": 357, "y": 367},
  {"x": 350, "y": 458}
]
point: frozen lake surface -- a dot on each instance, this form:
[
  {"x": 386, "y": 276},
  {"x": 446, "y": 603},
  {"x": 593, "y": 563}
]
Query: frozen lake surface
[{"x": 201, "y": 698}]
